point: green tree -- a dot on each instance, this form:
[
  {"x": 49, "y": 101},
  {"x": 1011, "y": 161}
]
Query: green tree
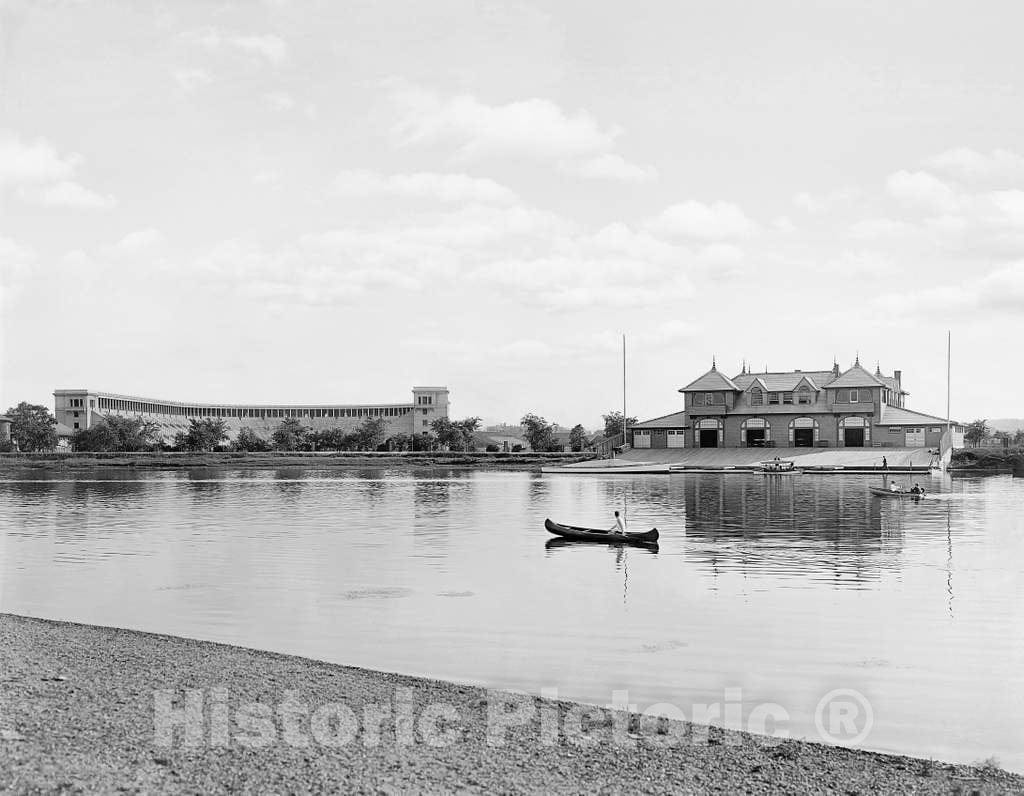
[
  {"x": 400, "y": 442},
  {"x": 33, "y": 428},
  {"x": 248, "y": 440},
  {"x": 613, "y": 423},
  {"x": 456, "y": 435},
  {"x": 537, "y": 431},
  {"x": 577, "y": 438},
  {"x": 975, "y": 432},
  {"x": 202, "y": 435},
  {"x": 424, "y": 441},
  {"x": 118, "y": 433},
  {"x": 371, "y": 433},
  {"x": 468, "y": 426},
  {"x": 290, "y": 435}
]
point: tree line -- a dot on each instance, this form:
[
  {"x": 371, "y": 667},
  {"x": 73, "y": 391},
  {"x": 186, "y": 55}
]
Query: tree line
[
  {"x": 33, "y": 428},
  {"x": 977, "y": 431}
]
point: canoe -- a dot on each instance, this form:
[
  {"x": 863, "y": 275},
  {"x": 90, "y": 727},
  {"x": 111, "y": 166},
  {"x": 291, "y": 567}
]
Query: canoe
[
  {"x": 887, "y": 493},
  {"x": 598, "y": 535}
]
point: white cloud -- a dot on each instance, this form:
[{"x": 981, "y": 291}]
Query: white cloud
[
  {"x": 533, "y": 127},
  {"x": 138, "y": 242},
  {"x": 266, "y": 47},
  {"x": 999, "y": 290},
  {"x": 692, "y": 219},
  {"x": 33, "y": 162},
  {"x": 609, "y": 166},
  {"x": 872, "y": 228},
  {"x": 1003, "y": 288},
  {"x": 922, "y": 189},
  {"x": 190, "y": 80},
  {"x": 279, "y": 100},
  {"x": 67, "y": 194},
  {"x": 1010, "y": 207},
  {"x": 42, "y": 176},
  {"x": 999, "y": 165},
  {"x": 14, "y": 259},
  {"x": 423, "y": 185},
  {"x": 823, "y": 202}
]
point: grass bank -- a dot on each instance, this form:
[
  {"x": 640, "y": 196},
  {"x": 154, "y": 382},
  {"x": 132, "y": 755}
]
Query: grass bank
[
  {"x": 86, "y": 708},
  {"x": 1002, "y": 459},
  {"x": 273, "y": 459}
]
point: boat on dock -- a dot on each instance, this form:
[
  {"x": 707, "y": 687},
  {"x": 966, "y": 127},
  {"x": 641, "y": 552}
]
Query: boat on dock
[{"x": 778, "y": 467}]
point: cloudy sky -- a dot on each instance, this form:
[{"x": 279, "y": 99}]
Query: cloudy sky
[{"x": 333, "y": 201}]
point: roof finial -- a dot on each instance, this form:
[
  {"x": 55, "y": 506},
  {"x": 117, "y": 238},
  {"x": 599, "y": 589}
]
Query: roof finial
[
  {"x": 713, "y": 364},
  {"x": 743, "y": 372},
  {"x": 878, "y": 368},
  {"x": 856, "y": 362}
]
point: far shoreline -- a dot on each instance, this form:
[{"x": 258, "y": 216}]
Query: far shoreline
[
  {"x": 277, "y": 459},
  {"x": 80, "y": 708}
]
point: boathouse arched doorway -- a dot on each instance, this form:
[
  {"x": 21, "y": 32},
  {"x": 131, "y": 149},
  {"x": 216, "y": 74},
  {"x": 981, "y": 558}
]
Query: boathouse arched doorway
[
  {"x": 854, "y": 432},
  {"x": 709, "y": 433},
  {"x": 803, "y": 432},
  {"x": 755, "y": 432}
]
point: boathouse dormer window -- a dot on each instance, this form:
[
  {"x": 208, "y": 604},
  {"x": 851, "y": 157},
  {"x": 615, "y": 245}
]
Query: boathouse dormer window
[
  {"x": 803, "y": 395},
  {"x": 756, "y": 397}
]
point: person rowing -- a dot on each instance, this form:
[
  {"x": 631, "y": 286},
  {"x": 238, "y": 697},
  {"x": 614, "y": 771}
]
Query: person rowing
[{"x": 619, "y": 526}]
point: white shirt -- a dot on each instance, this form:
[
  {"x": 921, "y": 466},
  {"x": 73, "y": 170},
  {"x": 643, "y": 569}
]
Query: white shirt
[{"x": 620, "y": 524}]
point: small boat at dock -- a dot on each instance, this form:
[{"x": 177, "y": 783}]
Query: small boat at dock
[
  {"x": 645, "y": 538},
  {"x": 778, "y": 467}
]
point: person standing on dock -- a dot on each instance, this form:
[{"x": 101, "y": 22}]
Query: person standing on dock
[{"x": 885, "y": 464}]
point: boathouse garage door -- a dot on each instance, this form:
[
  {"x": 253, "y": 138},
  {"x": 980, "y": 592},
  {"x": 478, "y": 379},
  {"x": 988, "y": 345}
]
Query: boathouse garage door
[
  {"x": 853, "y": 437},
  {"x": 803, "y": 437},
  {"x": 709, "y": 433},
  {"x": 855, "y": 432}
]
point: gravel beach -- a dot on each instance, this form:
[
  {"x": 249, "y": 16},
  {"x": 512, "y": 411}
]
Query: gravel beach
[{"x": 102, "y": 710}]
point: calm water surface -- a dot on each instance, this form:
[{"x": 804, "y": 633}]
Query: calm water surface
[{"x": 783, "y": 588}]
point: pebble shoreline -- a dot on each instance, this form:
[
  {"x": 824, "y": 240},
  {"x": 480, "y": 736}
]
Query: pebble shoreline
[{"x": 79, "y": 712}]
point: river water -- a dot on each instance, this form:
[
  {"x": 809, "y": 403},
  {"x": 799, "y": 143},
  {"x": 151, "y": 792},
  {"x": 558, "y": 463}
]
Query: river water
[{"x": 765, "y": 596}]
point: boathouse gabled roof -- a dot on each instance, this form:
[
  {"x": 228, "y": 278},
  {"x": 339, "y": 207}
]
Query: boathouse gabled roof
[
  {"x": 674, "y": 420},
  {"x": 856, "y": 377},
  {"x": 710, "y": 381},
  {"x": 785, "y": 381},
  {"x": 896, "y": 416}
]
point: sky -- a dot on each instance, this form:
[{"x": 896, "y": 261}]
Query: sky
[{"x": 329, "y": 202}]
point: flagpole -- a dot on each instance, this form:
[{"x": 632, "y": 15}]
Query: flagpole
[
  {"x": 623, "y": 390},
  {"x": 949, "y": 427}
]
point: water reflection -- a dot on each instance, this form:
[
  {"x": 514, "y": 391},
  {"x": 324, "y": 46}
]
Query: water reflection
[{"x": 783, "y": 586}]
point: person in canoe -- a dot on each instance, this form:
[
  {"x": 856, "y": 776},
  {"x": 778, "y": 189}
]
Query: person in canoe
[
  {"x": 916, "y": 490},
  {"x": 619, "y": 526},
  {"x": 894, "y": 487}
]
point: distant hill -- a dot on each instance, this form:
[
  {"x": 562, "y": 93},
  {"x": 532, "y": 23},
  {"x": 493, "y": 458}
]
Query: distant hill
[{"x": 1006, "y": 423}]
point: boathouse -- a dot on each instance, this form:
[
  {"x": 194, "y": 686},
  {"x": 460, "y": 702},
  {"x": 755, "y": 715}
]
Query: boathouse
[{"x": 798, "y": 408}]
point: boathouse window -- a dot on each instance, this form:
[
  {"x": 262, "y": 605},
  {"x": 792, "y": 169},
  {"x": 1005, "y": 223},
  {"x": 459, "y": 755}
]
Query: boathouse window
[
  {"x": 803, "y": 395},
  {"x": 894, "y": 429},
  {"x": 698, "y": 399},
  {"x": 787, "y": 397},
  {"x": 756, "y": 397},
  {"x": 773, "y": 397},
  {"x": 854, "y": 396}
]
